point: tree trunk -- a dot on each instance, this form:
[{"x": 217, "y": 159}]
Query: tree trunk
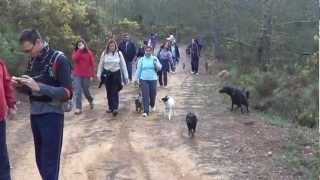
[
  {"x": 216, "y": 34},
  {"x": 264, "y": 46}
]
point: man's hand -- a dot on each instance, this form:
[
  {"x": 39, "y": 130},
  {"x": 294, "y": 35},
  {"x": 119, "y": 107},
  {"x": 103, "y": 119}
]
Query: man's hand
[
  {"x": 16, "y": 81},
  {"x": 31, "y": 83}
]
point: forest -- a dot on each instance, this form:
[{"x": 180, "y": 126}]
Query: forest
[{"x": 271, "y": 47}]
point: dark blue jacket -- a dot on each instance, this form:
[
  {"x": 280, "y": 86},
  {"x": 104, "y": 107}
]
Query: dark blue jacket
[
  {"x": 128, "y": 50},
  {"x": 194, "y": 50},
  {"x": 53, "y": 73}
]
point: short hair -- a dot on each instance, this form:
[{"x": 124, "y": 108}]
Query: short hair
[{"x": 30, "y": 35}]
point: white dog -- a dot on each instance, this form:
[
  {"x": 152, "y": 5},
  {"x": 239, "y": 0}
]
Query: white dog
[{"x": 169, "y": 106}]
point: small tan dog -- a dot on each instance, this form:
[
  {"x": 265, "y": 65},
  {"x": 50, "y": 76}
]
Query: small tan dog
[
  {"x": 224, "y": 75},
  {"x": 208, "y": 67}
]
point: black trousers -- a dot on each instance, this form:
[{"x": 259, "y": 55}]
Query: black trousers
[
  {"x": 113, "y": 86},
  {"x": 195, "y": 64},
  {"x": 163, "y": 77}
]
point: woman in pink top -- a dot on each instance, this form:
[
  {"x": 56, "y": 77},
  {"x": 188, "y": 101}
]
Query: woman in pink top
[{"x": 83, "y": 71}]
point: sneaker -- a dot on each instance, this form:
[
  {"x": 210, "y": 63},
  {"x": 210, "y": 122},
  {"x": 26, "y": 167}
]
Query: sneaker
[
  {"x": 173, "y": 72},
  {"x": 144, "y": 115},
  {"x": 91, "y": 105},
  {"x": 78, "y": 111},
  {"x": 165, "y": 87},
  {"x": 153, "y": 109},
  {"x": 197, "y": 73},
  {"x": 109, "y": 111},
  {"x": 192, "y": 72},
  {"x": 115, "y": 112}
]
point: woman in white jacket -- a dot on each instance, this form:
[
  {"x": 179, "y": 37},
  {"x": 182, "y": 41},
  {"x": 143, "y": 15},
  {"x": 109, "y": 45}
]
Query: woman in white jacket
[{"x": 112, "y": 71}]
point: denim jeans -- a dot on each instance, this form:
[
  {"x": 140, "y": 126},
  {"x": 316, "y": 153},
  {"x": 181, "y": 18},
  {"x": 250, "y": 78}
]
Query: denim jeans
[
  {"x": 47, "y": 132},
  {"x": 81, "y": 84},
  {"x": 149, "y": 93},
  {"x": 4, "y": 159},
  {"x": 129, "y": 68}
]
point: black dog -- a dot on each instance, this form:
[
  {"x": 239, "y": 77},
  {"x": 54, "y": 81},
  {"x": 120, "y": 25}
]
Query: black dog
[
  {"x": 238, "y": 97},
  {"x": 139, "y": 105},
  {"x": 191, "y": 121}
]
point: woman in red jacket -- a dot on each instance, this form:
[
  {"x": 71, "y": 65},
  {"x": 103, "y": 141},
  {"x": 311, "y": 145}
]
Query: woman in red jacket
[
  {"x": 7, "y": 107},
  {"x": 83, "y": 72}
]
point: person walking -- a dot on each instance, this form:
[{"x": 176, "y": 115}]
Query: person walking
[
  {"x": 7, "y": 109},
  {"x": 112, "y": 71},
  {"x": 194, "y": 52},
  {"x": 146, "y": 74},
  {"x": 140, "y": 53},
  {"x": 128, "y": 50},
  {"x": 152, "y": 40},
  {"x": 175, "y": 52},
  {"x": 48, "y": 84},
  {"x": 83, "y": 72},
  {"x": 165, "y": 57}
]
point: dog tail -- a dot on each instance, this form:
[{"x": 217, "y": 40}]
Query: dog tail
[{"x": 247, "y": 94}]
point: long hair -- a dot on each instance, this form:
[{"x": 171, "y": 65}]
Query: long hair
[
  {"x": 107, "y": 50},
  {"x": 164, "y": 44},
  {"x": 84, "y": 43}
]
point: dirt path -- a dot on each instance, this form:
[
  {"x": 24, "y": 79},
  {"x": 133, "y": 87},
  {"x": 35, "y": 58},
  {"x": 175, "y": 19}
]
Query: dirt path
[{"x": 99, "y": 147}]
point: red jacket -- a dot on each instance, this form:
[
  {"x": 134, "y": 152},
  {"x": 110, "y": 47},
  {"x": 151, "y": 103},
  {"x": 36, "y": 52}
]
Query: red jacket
[
  {"x": 7, "y": 98},
  {"x": 84, "y": 63}
]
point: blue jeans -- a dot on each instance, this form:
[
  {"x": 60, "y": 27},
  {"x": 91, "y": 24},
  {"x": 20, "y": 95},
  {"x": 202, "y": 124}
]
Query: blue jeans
[
  {"x": 81, "y": 84},
  {"x": 47, "y": 132},
  {"x": 149, "y": 93},
  {"x": 4, "y": 159},
  {"x": 129, "y": 68}
]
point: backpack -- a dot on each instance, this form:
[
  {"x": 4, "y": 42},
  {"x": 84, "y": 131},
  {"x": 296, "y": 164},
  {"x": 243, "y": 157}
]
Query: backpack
[{"x": 67, "y": 105}]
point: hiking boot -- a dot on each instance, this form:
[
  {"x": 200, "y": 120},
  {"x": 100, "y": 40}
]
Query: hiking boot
[
  {"x": 109, "y": 111},
  {"x": 91, "y": 105},
  {"x": 115, "y": 112}
]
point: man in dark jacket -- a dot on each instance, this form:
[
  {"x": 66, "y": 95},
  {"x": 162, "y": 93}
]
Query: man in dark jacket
[
  {"x": 7, "y": 107},
  {"x": 194, "y": 52},
  {"x": 128, "y": 50},
  {"x": 48, "y": 84}
]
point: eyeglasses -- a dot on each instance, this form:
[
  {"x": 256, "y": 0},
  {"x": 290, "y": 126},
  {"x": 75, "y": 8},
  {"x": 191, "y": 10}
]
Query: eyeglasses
[{"x": 28, "y": 50}]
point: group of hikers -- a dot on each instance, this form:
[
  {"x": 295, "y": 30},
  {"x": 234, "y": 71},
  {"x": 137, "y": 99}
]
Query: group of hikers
[{"x": 52, "y": 80}]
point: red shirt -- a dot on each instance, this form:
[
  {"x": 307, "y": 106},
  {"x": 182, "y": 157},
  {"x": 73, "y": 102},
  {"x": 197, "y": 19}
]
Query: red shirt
[
  {"x": 84, "y": 63},
  {"x": 7, "y": 98}
]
